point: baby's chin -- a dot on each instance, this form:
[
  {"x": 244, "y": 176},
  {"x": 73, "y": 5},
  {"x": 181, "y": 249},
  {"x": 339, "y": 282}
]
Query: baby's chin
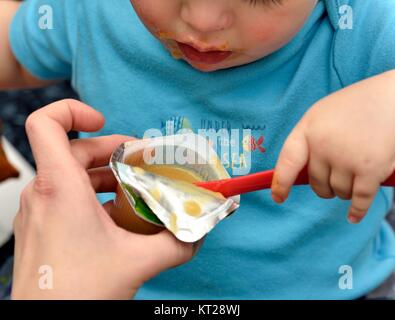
[
  {"x": 232, "y": 62},
  {"x": 207, "y": 68}
]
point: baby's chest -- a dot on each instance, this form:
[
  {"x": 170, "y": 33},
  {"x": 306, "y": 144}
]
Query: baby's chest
[{"x": 248, "y": 120}]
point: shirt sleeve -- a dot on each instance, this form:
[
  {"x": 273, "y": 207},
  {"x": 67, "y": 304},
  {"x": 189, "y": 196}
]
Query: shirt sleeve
[
  {"x": 364, "y": 43},
  {"x": 42, "y": 35}
]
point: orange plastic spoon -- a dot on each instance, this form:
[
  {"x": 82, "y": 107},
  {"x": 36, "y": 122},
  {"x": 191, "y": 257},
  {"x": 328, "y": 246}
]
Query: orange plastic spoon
[{"x": 259, "y": 181}]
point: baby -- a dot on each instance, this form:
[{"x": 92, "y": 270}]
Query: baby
[{"x": 282, "y": 83}]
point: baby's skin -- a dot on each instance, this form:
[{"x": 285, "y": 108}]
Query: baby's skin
[{"x": 343, "y": 158}]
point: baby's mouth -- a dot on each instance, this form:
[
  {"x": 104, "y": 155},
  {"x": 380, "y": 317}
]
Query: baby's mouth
[{"x": 200, "y": 56}]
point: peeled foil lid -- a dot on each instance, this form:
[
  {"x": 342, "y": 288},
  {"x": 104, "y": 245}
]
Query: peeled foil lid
[{"x": 188, "y": 211}]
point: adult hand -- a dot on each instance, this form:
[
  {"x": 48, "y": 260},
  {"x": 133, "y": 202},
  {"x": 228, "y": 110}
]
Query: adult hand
[{"x": 66, "y": 245}]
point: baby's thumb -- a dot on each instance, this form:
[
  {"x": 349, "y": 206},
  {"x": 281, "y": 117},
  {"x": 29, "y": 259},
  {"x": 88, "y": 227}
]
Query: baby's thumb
[{"x": 293, "y": 158}]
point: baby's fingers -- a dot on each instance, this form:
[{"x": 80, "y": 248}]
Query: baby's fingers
[
  {"x": 364, "y": 191},
  {"x": 292, "y": 159},
  {"x": 341, "y": 182},
  {"x": 319, "y": 172}
]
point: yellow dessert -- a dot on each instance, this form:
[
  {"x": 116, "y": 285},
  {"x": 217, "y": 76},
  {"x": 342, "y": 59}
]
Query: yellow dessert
[
  {"x": 122, "y": 212},
  {"x": 172, "y": 172},
  {"x": 192, "y": 208}
]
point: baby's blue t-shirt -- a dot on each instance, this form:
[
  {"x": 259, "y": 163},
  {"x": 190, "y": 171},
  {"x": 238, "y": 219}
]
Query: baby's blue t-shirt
[{"x": 301, "y": 249}]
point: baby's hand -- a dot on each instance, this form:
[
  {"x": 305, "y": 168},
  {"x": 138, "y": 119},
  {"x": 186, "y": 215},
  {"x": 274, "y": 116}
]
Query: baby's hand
[{"x": 348, "y": 141}]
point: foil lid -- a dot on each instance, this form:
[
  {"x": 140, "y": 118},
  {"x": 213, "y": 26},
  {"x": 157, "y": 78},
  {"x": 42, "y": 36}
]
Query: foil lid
[{"x": 188, "y": 211}]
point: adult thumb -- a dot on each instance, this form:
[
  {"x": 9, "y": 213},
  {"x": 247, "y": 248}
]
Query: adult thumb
[{"x": 167, "y": 252}]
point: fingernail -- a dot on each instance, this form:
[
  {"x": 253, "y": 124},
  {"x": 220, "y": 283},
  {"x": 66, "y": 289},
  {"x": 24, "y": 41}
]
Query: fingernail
[
  {"x": 353, "y": 219},
  {"x": 277, "y": 198}
]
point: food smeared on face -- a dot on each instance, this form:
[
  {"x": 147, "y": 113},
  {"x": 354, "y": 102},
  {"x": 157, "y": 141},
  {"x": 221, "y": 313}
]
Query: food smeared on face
[
  {"x": 213, "y": 56},
  {"x": 212, "y": 35}
]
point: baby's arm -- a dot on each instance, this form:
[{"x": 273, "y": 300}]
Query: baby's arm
[
  {"x": 12, "y": 74},
  {"x": 347, "y": 140}
]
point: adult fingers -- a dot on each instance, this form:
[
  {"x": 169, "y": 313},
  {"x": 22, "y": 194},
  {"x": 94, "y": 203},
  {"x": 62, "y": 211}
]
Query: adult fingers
[
  {"x": 47, "y": 132},
  {"x": 108, "y": 206},
  {"x": 96, "y": 152},
  {"x": 164, "y": 251},
  {"x": 103, "y": 179}
]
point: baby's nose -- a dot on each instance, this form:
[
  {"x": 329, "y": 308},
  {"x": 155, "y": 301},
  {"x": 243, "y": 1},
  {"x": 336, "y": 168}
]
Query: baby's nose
[{"x": 207, "y": 15}]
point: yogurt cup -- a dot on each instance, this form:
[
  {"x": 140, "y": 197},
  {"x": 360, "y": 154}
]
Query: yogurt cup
[{"x": 156, "y": 188}]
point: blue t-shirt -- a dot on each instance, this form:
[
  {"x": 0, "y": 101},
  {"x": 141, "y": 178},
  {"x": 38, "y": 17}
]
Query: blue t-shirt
[{"x": 264, "y": 250}]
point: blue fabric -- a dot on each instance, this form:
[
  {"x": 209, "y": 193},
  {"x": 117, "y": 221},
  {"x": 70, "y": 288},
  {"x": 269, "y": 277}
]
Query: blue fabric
[
  {"x": 264, "y": 250},
  {"x": 6, "y": 279}
]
